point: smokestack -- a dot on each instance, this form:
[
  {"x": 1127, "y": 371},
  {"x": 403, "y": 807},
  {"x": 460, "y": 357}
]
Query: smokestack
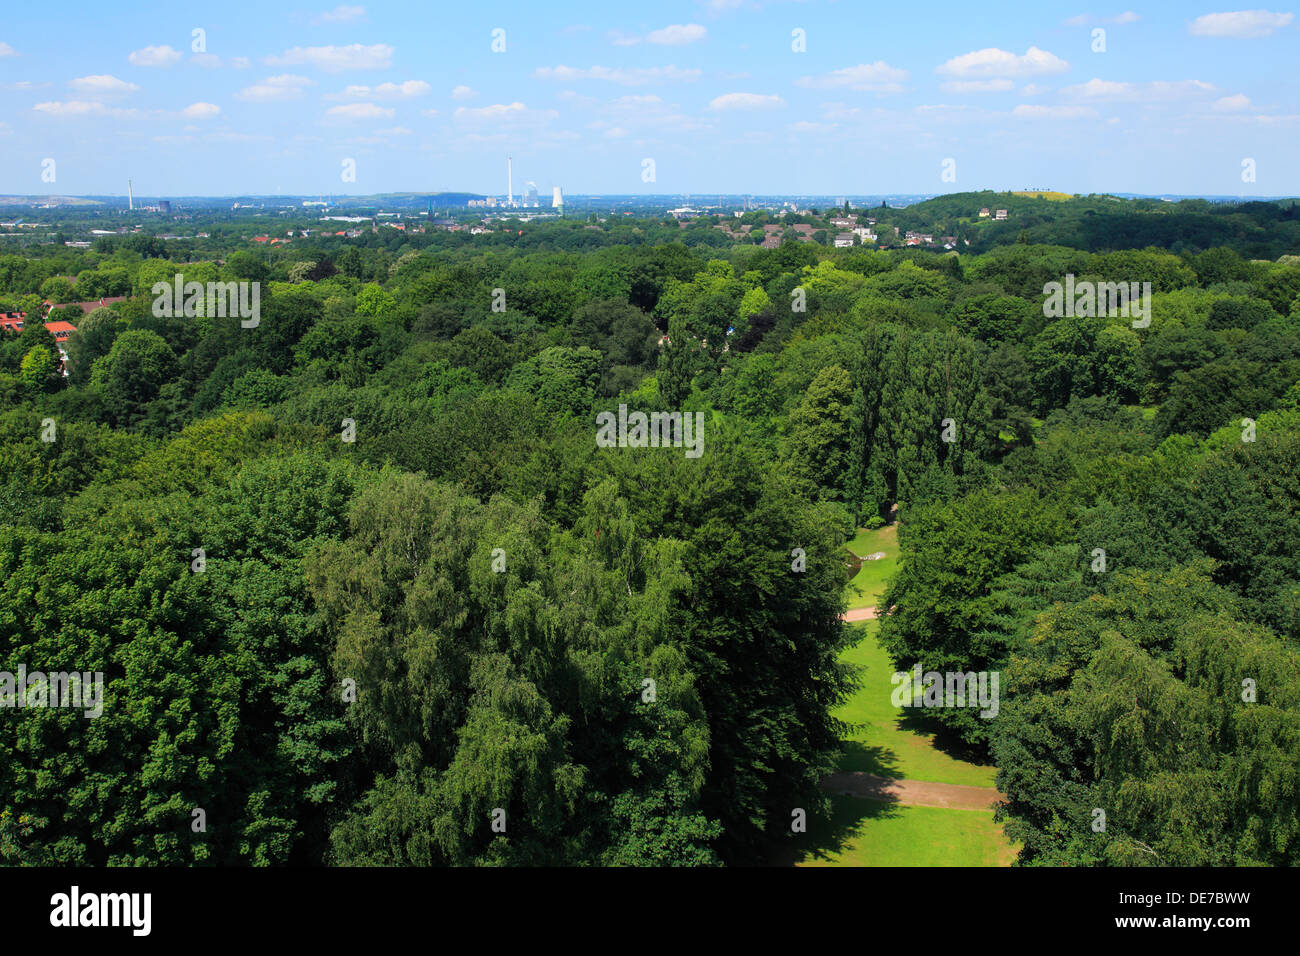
[
  {"x": 130, "y": 200},
  {"x": 510, "y": 184}
]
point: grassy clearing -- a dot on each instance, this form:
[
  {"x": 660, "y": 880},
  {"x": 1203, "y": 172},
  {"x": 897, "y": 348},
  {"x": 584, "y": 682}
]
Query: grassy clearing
[
  {"x": 1045, "y": 194},
  {"x": 869, "y": 833},
  {"x": 892, "y": 741},
  {"x": 869, "y": 583},
  {"x": 895, "y": 742}
]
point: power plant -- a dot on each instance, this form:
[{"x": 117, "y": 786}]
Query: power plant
[{"x": 528, "y": 199}]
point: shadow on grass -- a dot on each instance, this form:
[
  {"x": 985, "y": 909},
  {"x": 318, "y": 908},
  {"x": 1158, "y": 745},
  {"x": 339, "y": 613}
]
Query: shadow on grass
[
  {"x": 947, "y": 740},
  {"x": 878, "y": 760},
  {"x": 828, "y": 838}
]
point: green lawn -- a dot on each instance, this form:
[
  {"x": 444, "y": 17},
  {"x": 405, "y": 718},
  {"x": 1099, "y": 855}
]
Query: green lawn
[
  {"x": 893, "y": 741},
  {"x": 869, "y": 833},
  {"x": 897, "y": 742},
  {"x": 869, "y": 583}
]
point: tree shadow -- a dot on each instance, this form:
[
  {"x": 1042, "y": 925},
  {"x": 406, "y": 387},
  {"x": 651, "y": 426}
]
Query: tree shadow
[
  {"x": 947, "y": 740},
  {"x": 828, "y": 837},
  {"x": 881, "y": 761}
]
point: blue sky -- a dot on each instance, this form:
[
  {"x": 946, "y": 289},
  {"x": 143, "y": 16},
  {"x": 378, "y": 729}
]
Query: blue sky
[{"x": 713, "y": 91}]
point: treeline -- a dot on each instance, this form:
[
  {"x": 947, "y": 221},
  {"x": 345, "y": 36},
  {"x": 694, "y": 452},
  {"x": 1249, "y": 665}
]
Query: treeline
[{"x": 363, "y": 587}]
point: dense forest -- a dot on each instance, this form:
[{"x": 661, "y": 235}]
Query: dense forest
[{"x": 366, "y": 590}]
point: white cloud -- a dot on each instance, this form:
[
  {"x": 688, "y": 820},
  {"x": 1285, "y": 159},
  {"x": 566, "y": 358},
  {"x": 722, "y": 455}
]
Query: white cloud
[
  {"x": 275, "y": 89},
  {"x": 1232, "y": 104},
  {"x": 341, "y": 14},
  {"x": 634, "y": 101},
  {"x": 994, "y": 63},
  {"x": 102, "y": 85},
  {"x": 81, "y": 108},
  {"x": 463, "y": 93},
  {"x": 1242, "y": 23},
  {"x": 878, "y": 77},
  {"x": 387, "y": 91},
  {"x": 1032, "y": 89},
  {"x": 632, "y": 76},
  {"x": 201, "y": 111},
  {"x": 1033, "y": 111},
  {"x": 746, "y": 101},
  {"x": 677, "y": 34},
  {"x": 7, "y": 50},
  {"x": 977, "y": 86},
  {"x": 1100, "y": 89},
  {"x": 511, "y": 114},
  {"x": 154, "y": 56},
  {"x": 333, "y": 59},
  {"x": 402, "y": 91},
  {"x": 209, "y": 61},
  {"x": 619, "y": 38},
  {"x": 1163, "y": 90},
  {"x": 240, "y": 62},
  {"x": 359, "y": 111},
  {"x": 1084, "y": 19}
]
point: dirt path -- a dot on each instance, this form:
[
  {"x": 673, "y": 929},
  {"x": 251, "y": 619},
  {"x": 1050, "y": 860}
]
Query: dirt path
[
  {"x": 918, "y": 793},
  {"x": 859, "y": 614}
]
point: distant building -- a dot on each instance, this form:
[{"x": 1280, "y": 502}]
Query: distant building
[
  {"x": 1000, "y": 215},
  {"x": 86, "y": 307},
  {"x": 60, "y": 330},
  {"x": 843, "y": 240}
]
